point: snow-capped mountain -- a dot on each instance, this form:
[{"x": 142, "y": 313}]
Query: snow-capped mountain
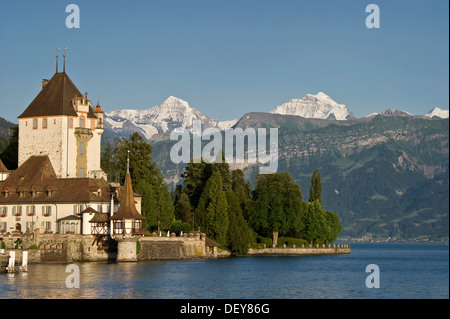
[
  {"x": 171, "y": 114},
  {"x": 319, "y": 106},
  {"x": 443, "y": 114}
]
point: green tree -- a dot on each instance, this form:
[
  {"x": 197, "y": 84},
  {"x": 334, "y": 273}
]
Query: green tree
[
  {"x": 315, "y": 192},
  {"x": 183, "y": 208},
  {"x": 211, "y": 214},
  {"x": 239, "y": 233},
  {"x": 109, "y": 158},
  {"x": 148, "y": 181},
  {"x": 156, "y": 206},
  {"x": 243, "y": 191},
  {"x": 195, "y": 177},
  {"x": 333, "y": 226},
  {"x": 197, "y": 174},
  {"x": 315, "y": 223},
  {"x": 278, "y": 205},
  {"x": 141, "y": 165},
  {"x": 10, "y": 156}
]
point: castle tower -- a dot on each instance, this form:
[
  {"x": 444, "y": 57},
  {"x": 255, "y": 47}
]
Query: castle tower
[
  {"x": 127, "y": 223},
  {"x": 60, "y": 123}
]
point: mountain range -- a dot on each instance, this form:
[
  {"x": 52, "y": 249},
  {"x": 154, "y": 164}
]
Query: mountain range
[
  {"x": 175, "y": 113},
  {"x": 386, "y": 175}
]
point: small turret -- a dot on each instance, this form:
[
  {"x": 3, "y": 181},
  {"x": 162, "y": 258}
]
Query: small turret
[{"x": 99, "y": 113}]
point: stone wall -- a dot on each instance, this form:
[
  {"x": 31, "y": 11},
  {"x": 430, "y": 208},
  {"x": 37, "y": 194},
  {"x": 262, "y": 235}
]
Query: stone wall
[
  {"x": 68, "y": 248},
  {"x": 311, "y": 250},
  {"x": 155, "y": 248},
  {"x": 56, "y": 248}
]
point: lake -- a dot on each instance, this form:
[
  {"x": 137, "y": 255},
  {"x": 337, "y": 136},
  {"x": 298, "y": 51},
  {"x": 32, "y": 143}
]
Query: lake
[{"x": 406, "y": 271}]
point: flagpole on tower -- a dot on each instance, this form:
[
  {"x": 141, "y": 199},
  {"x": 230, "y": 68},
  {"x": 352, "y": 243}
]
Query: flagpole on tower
[
  {"x": 57, "y": 59},
  {"x": 64, "y": 60}
]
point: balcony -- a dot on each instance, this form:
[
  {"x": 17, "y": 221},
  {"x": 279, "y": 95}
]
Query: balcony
[{"x": 83, "y": 132}]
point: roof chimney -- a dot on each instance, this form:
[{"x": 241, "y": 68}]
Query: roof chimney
[{"x": 44, "y": 82}]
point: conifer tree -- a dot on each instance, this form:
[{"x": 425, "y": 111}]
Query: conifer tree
[
  {"x": 10, "y": 155},
  {"x": 183, "y": 208},
  {"x": 239, "y": 233},
  {"x": 315, "y": 192},
  {"x": 148, "y": 181},
  {"x": 211, "y": 214}
]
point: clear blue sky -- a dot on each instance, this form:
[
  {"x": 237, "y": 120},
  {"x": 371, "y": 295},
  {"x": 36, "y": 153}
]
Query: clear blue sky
[{"x": 227, "y": 58}]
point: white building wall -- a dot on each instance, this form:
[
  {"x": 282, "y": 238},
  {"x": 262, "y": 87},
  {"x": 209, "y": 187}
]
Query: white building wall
[
  {"x": 50, "y": 223},
  {"x": 42, "y": 141}
]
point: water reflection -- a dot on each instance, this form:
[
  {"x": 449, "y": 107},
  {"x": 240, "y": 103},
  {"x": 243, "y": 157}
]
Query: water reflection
[{"x": 402, "y": 274}]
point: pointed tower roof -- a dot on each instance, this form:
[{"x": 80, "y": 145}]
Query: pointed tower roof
[
  {"x": 55, "y": 98},
  {"x": 98, "y": 109},
  {"x": 3, "y": 168},
  {"x": 127, "y": 208}
]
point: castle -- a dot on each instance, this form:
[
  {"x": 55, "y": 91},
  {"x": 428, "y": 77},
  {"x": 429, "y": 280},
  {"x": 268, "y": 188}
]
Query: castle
[{"x": 59, "y": 186}]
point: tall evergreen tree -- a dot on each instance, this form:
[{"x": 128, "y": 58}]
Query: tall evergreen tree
[
  {"x": 197, "y": 174},
  {"x": 239, "y": 233},
  {"x": 243, "y": 191},
  {"x": 10, "y": 156},
  {"x": 183, "y": 208},
  {"x": 141, "y": 165},
  {"x": 211, "y": 214},
  {"x": 109, "y": 161},
  {"x": 148, "y": 181},
  {"x": 315, "y": 192}
]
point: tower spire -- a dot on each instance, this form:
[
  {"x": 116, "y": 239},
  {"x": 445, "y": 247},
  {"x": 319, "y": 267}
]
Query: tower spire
[
  {"x": 64, "y": 60},
  {"x": 128, "y": 162},
  {"x": 57, "y": 59}
]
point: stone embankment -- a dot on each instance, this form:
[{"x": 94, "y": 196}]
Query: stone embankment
[{"x": 306, "y": 251}]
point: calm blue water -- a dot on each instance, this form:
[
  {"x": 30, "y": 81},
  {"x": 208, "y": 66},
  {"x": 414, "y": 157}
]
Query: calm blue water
[{"x": 406, "y": 271}]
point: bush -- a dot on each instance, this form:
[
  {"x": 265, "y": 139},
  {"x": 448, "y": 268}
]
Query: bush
[
  {"x": 290, "y": 241},
  {"x": 178, "y": 226},
  {"x": 264, "y": 240},
  {"x": 34, "y": 246}
]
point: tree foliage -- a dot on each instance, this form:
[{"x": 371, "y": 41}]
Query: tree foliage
[
  {"x": 315, "y": 192},
  {"x": 211, "y": 214},
  {"x": 277, "y": 205},
  {"x": 10, "y": 155},
  {"x": 157, "y": 205}
]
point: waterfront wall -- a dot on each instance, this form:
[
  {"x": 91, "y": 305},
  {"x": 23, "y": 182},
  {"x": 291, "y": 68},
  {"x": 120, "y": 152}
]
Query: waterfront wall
[
  {"x": 310, "y": 250},
  {"x": 68, "y": 248},
  {"x": 156, "y": 248}
]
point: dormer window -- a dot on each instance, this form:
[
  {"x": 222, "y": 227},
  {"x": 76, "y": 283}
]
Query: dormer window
[
  {"x": 33, "y": 193},
  {"x": 21, "y": 193}
]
